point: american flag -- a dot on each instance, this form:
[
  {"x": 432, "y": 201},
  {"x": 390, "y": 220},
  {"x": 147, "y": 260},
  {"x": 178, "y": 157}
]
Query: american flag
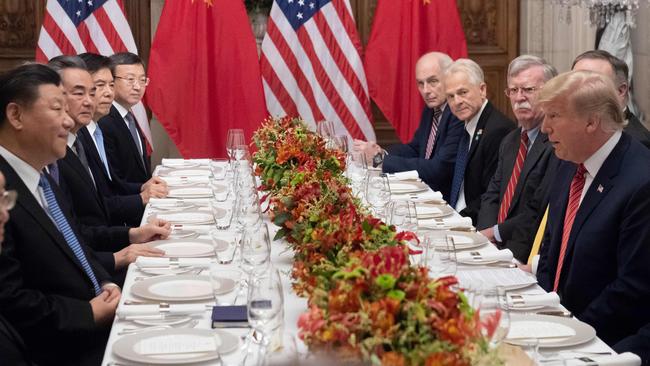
[
  {"x": 71, "y": 27},
  {"x": 311, "y": 66}
]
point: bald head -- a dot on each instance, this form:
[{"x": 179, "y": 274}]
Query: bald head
[{"x": 428, "y": 75}]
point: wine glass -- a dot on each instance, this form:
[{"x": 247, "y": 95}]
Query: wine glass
[
  {"x": 227, "y": 255},
  {"x": 325, "y": 129},
  {"x": 234, "y": 138},
  {"x": 493, "y": 314},
  {"x": 255, "y": 248},
  {"x": 403, "y": 215},
  {"x": 377, "y": 191},
  {"x": 355, "y": 169},
  {"x": 340, "y": 142},
  {"x": 265, "y": 307},
  {"x": 221, "y": 213},
  {"x": 439, "y": 254}
]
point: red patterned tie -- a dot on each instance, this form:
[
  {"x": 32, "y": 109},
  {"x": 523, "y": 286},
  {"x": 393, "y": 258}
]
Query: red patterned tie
[
  {"x": 514, "y": 178},
  {"x": 577, "y": 184},
  {"x": 434, "y": 130}
]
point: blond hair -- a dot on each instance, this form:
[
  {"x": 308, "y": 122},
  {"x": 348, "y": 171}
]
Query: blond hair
[{"x": 586, "y": 93}]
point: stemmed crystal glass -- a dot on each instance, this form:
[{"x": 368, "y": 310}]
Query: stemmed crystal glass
[
  {"x": 493, "y": 314},
  {"x": 255, "y": 248},
  {"x": 234, "y": 138},
  {"x": 439, "y": 254},
  {"x": 377, "y": 191},
  {"x": 265, "y": 307}
]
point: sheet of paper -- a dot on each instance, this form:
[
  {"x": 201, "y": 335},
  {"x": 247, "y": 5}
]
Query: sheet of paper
[
  {"x": 537, "y": 329},
  {"x": 176, "y": 344}
]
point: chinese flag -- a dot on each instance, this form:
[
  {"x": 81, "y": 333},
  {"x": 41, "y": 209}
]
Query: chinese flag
[
  {"x": 402, "y": 31},
  {"x": 205, "y": 75}
]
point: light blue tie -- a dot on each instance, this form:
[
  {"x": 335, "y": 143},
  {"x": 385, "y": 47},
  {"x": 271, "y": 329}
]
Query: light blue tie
[
  {"x": 99, "y": 139},
  {"x": 64, "y": 227}
]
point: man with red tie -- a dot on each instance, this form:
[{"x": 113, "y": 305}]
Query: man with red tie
[
  {"x": 523, "y": 156},
  {"x": 597, "y": 245}
]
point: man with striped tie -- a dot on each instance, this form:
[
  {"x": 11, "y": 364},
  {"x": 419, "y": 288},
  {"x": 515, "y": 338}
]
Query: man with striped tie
[
  {"x": 523, "y": 156},
  {"x": 596, "y": 249},
  {"x": 52, "y": 288},
  {"x": 432, "y": 151}
]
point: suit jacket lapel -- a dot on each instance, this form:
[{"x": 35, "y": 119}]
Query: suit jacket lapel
[
  {"x": 91, "y": 150},
  {"x": 126, "y": 136},
  {"x": 598, "y": 189},
  {"x": 478, "y": 132},
  {"x": 73, "y": 161},
  {"x": 28, "y": 203},
  {"x": 532, "y": 158}
]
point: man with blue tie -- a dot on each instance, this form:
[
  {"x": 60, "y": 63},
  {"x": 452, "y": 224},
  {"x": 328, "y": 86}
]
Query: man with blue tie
[
  {"x": 125, "y": 200},
  {"x": 523, "y": 157},
  {"x": 125, "y": 144},
  {"x": 596, "y": 249},
  {"x": 52, "y": 289},
  {"x": 483, "y": 129},
  {"x": 432, "y": 151}
]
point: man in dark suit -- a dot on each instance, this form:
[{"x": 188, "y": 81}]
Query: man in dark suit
[
  {"x": 478, "y": 147},
  {"x": 52, "y": 289},
  {"x": 432, "y": 151},
  {"x": 523, "y": 156},
  {"x": 125, "y": 145},
  {"x": 638, "y": 344},
  {"x": 603, "y": 62},
  {"x": 12, "y": 348},
  {"x": 125, "y": 201},
  {"x": 596, "y": 250},
  {"x": 80, "y": 185}
]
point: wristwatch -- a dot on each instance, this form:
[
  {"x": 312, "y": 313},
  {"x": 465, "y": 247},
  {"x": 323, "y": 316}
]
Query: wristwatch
[{"x": 378, "y": 158}]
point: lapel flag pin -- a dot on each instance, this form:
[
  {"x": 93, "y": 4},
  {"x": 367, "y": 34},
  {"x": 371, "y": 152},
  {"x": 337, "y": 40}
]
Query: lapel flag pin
[{"x": 600, "y": 188}]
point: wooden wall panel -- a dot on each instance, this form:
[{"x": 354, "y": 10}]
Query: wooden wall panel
[
  {"x": 20, "y": 23},
  {"x": 492, "y": 32}
]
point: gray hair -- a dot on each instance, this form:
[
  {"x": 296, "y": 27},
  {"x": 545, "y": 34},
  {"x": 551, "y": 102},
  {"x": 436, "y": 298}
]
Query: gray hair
[
  {"x": 62, "y": 62},
  {"x": 524, "y": 62},
  {"x": 467, "y": 67}
]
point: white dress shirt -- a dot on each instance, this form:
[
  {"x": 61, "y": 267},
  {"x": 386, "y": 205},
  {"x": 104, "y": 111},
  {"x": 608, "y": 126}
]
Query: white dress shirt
[{"x": 470, "y": 128}]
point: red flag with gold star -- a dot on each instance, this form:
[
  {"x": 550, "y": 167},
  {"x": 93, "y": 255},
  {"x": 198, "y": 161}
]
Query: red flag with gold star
[
  {"x": 402, "y": 31},
  {"x": 205, "y": 75}
]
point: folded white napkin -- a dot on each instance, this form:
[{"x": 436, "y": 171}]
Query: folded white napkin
[
  {"x": 623, "y": 359},
  {"x": 446, "y": 223},
  {"x": 406, "y": 175},
  {"x": 504, "y": 255},
  {"x": 192, "y": 179},
  {"x": 148, "y": 262},
  {"x": 418, "y": 197},
  {"x": 125, "y": 311},
  {"x": 171, "y": 202},
  {"x": 170, "y": 162},
  {"x": 526, "y": 300}
]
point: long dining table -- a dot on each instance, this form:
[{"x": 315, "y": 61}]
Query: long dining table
[{"x": 294, "y": 306}]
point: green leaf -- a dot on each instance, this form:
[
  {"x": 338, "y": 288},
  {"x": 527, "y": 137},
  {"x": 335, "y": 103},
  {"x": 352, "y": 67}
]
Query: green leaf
[
  {"x": 367, "y": 228},
  {"x": 385, "y": 281},
  {"x": 280, "y": 234},
  {"x": 281, "y": 218},
  {"x": 396, "y": 294}
]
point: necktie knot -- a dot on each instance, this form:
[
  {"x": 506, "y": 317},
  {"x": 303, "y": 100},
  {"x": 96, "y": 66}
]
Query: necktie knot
[
  {"x": 437, "y": 112},
  {"x": 580, "y": 172},
  {"x": 42, "y": 182},
  {"x": 524, "y": 137}
]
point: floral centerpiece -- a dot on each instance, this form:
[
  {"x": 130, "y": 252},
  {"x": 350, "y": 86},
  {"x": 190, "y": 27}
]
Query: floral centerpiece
[{"x": 366, "y": 300}]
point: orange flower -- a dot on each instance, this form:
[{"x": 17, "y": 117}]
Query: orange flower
[{"x": 392, "y": 359}]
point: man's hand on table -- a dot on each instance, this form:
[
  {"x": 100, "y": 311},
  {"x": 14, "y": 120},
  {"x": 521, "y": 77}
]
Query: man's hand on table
[
  {"x": 154, "y": 187},
  {"x": 155, "y": 229},
  {"x": 104, "y": 306},
  {"x": 129, "y": 254},
  {"x": 368, "y": 148}
]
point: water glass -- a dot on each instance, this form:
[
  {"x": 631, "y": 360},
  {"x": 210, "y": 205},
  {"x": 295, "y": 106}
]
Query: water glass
[
  {"x": 377, "y": 191},
  {"x": 439, "y": 254},
  {"x": 234, "y": 138},
  {"x": 265, "y": 306},
  {"x": 325, "y": 129},
  {"x": 219, "y": 169},
  {"x": 403, "y": 215},
  {"x": 255, "y": 248},
  {"x": 219, "y": 274},
  {"x": 227, "y": 244},
  {"x": 493, "y": 314}
]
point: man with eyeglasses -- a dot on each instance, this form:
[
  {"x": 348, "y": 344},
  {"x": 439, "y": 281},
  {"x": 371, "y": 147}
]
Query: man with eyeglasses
[
  {"x": 52, "y": 288},
  {"x": 523, "y": 156},
  {"x": 126, "y": 147}
]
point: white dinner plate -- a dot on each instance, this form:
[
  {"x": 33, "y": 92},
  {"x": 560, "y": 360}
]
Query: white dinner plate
[
  {"x": 407, "y": 187},
  {"x": 194, "y": 217},
  {"x": 463, "y": 240},
  {"x": 189, "y": 248},
  {"x": 432, "y": 211},
  {"x": 174, "y": 288},
  {"x": 476, "y": 262},
  {"x": 180, "y": 164},
  {"x": 159, "y": 271},
  {"x": 190, "y": 192},
  {"x": 184, "y": 172},
  {"x": 583, "y": 331},
  {"x": 129, "y": 347}
]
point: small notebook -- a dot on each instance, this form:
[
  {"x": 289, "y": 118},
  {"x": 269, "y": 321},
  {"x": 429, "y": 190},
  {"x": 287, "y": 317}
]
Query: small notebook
[{"x": 229, "y": 316}]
